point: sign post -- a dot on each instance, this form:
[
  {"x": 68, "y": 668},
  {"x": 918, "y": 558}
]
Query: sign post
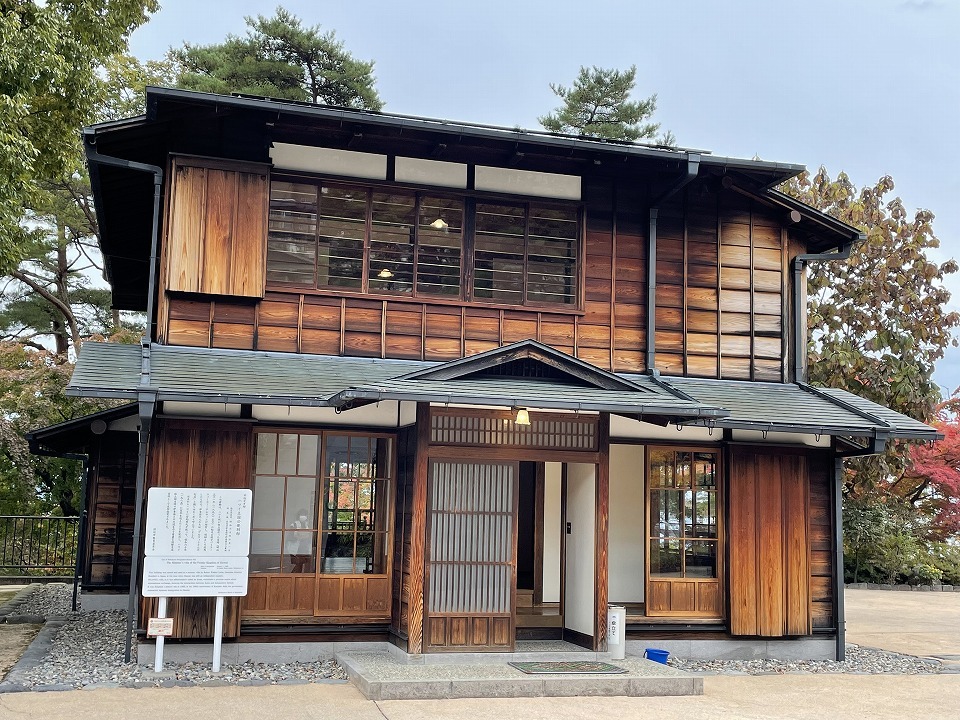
[{"x": 197, "y": 545}]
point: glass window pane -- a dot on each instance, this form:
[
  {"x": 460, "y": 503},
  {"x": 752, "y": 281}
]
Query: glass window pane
[
  {"x": 287, "y": 455},
  {"x": 684, "y": 469},
  {"x": 705, "y": 469},
  {"x": 337, "y": 549},
  {"x": 439, "y": 246},
  {"x": 266, "y": 453},
  {"x": 342, "y": 229},
  {"x": 301, "y": 506},
  {"x": 291, "y": 243},
  {"x": 265, "y": 551},
  {"x": 661, "y": 468},
  {"x": 665, "y": 558},
  {"x": 392, "y": 242},
  {"x": 267, "y": 502},
  {"x": 706, "y": 513},
  {"x": 298, "y": 551},
  {"x": 701, "y": 558},
  {"x": 688, "y": 513},
  {"x": 307, "y": 461},
  {"x": 338, "y": 455},
  {"x": 665, "y": 506},
  {"x": 552, "y": 247},
  {"x": 371, "y": 553},
  {"x": 499, "y": 253}
]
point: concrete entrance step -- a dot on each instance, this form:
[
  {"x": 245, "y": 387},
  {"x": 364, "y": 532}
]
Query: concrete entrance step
[{"x": 382, "y": 675}]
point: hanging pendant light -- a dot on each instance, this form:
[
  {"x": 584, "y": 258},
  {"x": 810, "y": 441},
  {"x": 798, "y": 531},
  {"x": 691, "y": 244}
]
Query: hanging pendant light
[
  {"x": 439, "y": 224},
  {"x": 385, "y": 274},
  {"x": 523, "y": 417}
]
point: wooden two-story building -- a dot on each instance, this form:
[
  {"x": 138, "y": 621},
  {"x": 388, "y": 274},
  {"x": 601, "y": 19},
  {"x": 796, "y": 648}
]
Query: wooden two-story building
[{"x": 482, "y": 382}]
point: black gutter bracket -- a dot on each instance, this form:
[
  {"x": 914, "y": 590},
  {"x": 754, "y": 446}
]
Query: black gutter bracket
[{"x": 799, "y": 310}]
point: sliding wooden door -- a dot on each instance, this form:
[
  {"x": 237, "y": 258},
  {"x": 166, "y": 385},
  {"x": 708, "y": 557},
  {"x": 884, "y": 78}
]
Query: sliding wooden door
[{"x": 471, "y": 556}]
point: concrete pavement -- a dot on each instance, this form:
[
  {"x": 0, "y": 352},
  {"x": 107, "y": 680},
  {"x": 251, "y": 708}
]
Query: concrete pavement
[
  {"x": 791, "y": 697},
  {"x": 917, "y": 623}
]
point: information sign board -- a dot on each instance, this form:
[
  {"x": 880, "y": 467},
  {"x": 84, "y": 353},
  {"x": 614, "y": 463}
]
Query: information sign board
[
  {"x": 198, "y": 522},
  {"x": 195, "y": 577}
]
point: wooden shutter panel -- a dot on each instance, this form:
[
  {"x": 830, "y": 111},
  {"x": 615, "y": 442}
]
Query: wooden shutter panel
[
  {"x": 769, "y": 549},
  {"x": 216, "y": 243}
]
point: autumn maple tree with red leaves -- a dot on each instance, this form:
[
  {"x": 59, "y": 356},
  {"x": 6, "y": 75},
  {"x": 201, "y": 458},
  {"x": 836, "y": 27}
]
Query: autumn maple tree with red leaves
[{"x": 931, "y": 479}]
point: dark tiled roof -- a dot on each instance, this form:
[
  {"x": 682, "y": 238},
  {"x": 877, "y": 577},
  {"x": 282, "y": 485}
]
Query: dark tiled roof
[{"x": 212, "y": 375}]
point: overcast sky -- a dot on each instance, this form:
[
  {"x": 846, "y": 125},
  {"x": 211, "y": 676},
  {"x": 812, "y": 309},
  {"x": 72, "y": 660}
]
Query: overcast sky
[{"x": 869, "y": 87}]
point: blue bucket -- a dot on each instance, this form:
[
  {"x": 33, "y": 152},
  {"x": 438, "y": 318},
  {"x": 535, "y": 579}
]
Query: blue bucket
[{"x": 659, "y": 656}]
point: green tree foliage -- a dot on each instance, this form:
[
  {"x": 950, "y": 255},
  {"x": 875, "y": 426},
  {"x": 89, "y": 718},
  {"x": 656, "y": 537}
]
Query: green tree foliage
[
  {"x": 598, "y": 105},
  {"x": 280, "y": 57},
  {"x": 879, "y": 337},
  {"x": 31, "y": 396},
  {"x": 49, "y": 56},
  {"x": 50, "y": 298}
]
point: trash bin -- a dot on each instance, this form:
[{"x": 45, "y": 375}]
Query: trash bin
[{"x": 616, "y": 631}]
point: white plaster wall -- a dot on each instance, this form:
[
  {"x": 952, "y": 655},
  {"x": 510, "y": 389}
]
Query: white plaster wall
[
  {"x": 552, "y": 472},
  {"x": 626, "y": 542},
  {"x": 580, "y": 577},
  {"x": 382, "y": 414}
]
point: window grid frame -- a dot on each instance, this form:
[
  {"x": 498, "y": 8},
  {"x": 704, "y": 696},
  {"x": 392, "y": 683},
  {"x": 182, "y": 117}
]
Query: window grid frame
[{"x": 468, "y": 200}]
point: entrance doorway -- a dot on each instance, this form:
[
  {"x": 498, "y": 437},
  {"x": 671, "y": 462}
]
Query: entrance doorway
[{"x": 539, "y": 551}]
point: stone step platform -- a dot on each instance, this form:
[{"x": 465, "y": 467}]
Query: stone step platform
[{"x": 384, "y": 675}]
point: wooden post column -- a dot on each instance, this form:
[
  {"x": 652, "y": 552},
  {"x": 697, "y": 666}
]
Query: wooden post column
[
  {"x": 418, "y": 533},
  {"x": 602, "y": 534}
]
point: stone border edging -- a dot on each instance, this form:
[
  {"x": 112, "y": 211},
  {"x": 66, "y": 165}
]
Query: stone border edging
[
  {"x": 904, "y": 588},
  {"x": 35, "y": 653},
  {"x": 8, "y": 611}
]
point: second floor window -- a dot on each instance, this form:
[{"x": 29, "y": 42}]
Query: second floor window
[{"x": 332, "y": 236}]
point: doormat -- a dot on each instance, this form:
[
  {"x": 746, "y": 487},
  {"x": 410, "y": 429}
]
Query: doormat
[{"x": 586, "y": 667}]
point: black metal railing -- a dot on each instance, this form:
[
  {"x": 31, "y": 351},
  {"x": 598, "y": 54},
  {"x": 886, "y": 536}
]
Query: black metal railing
[{"x": 35, "y": 545}]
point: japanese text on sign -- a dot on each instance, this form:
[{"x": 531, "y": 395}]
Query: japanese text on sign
[{"x": 190, "y": 522}]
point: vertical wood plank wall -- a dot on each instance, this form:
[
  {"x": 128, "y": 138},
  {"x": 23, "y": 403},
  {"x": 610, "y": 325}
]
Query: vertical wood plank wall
[
  {"x": 721, "y": 287},
  {"x": 821, "y": 543},
  {"x": 111, "y": 502},
  {"x": 200, "y": 454},
  {"x": 768, "y": 502}
]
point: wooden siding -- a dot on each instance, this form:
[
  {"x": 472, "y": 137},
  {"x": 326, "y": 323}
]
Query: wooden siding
[
  {"x": 199, "y": 454},
  {"x": 721, "y": 274},
  {"x": 217, "y": 226},
  {"x": 111, "y": 502},
  {"x": 768, "y": 543},
  {"x": 721, "y": 288},
  {"x": 822, "y": 563}
]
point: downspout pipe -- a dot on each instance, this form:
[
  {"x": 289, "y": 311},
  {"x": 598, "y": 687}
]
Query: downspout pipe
[
  {"x": 693, "y": 169},
  {"x": 800, "y": 263},
  {"x": 146, "y": 396},
  {"x": 147, "y": 402},
  {"x": 94, "y": 157}
]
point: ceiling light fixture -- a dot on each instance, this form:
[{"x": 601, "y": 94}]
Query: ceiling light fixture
[
  {"x": 523, "y": 417},
  {"x": 439, "y": 224},
  {"x": 385, "y": 274}
]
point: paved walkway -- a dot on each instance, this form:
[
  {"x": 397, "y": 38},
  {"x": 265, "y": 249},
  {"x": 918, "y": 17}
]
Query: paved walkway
[
  {"x": 917, "y": 623},
  {"x": 790, "y": 697}
]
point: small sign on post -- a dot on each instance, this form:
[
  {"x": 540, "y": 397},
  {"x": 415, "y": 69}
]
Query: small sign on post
[
  {"x": 160, "y": 627},
  {"x": 197, "y": 545}
]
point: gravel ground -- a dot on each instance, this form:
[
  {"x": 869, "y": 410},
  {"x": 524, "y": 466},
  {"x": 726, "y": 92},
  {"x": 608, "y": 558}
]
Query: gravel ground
[
  {"x": 860, "y": 661},
  {"x": 88, "y": 652}
]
